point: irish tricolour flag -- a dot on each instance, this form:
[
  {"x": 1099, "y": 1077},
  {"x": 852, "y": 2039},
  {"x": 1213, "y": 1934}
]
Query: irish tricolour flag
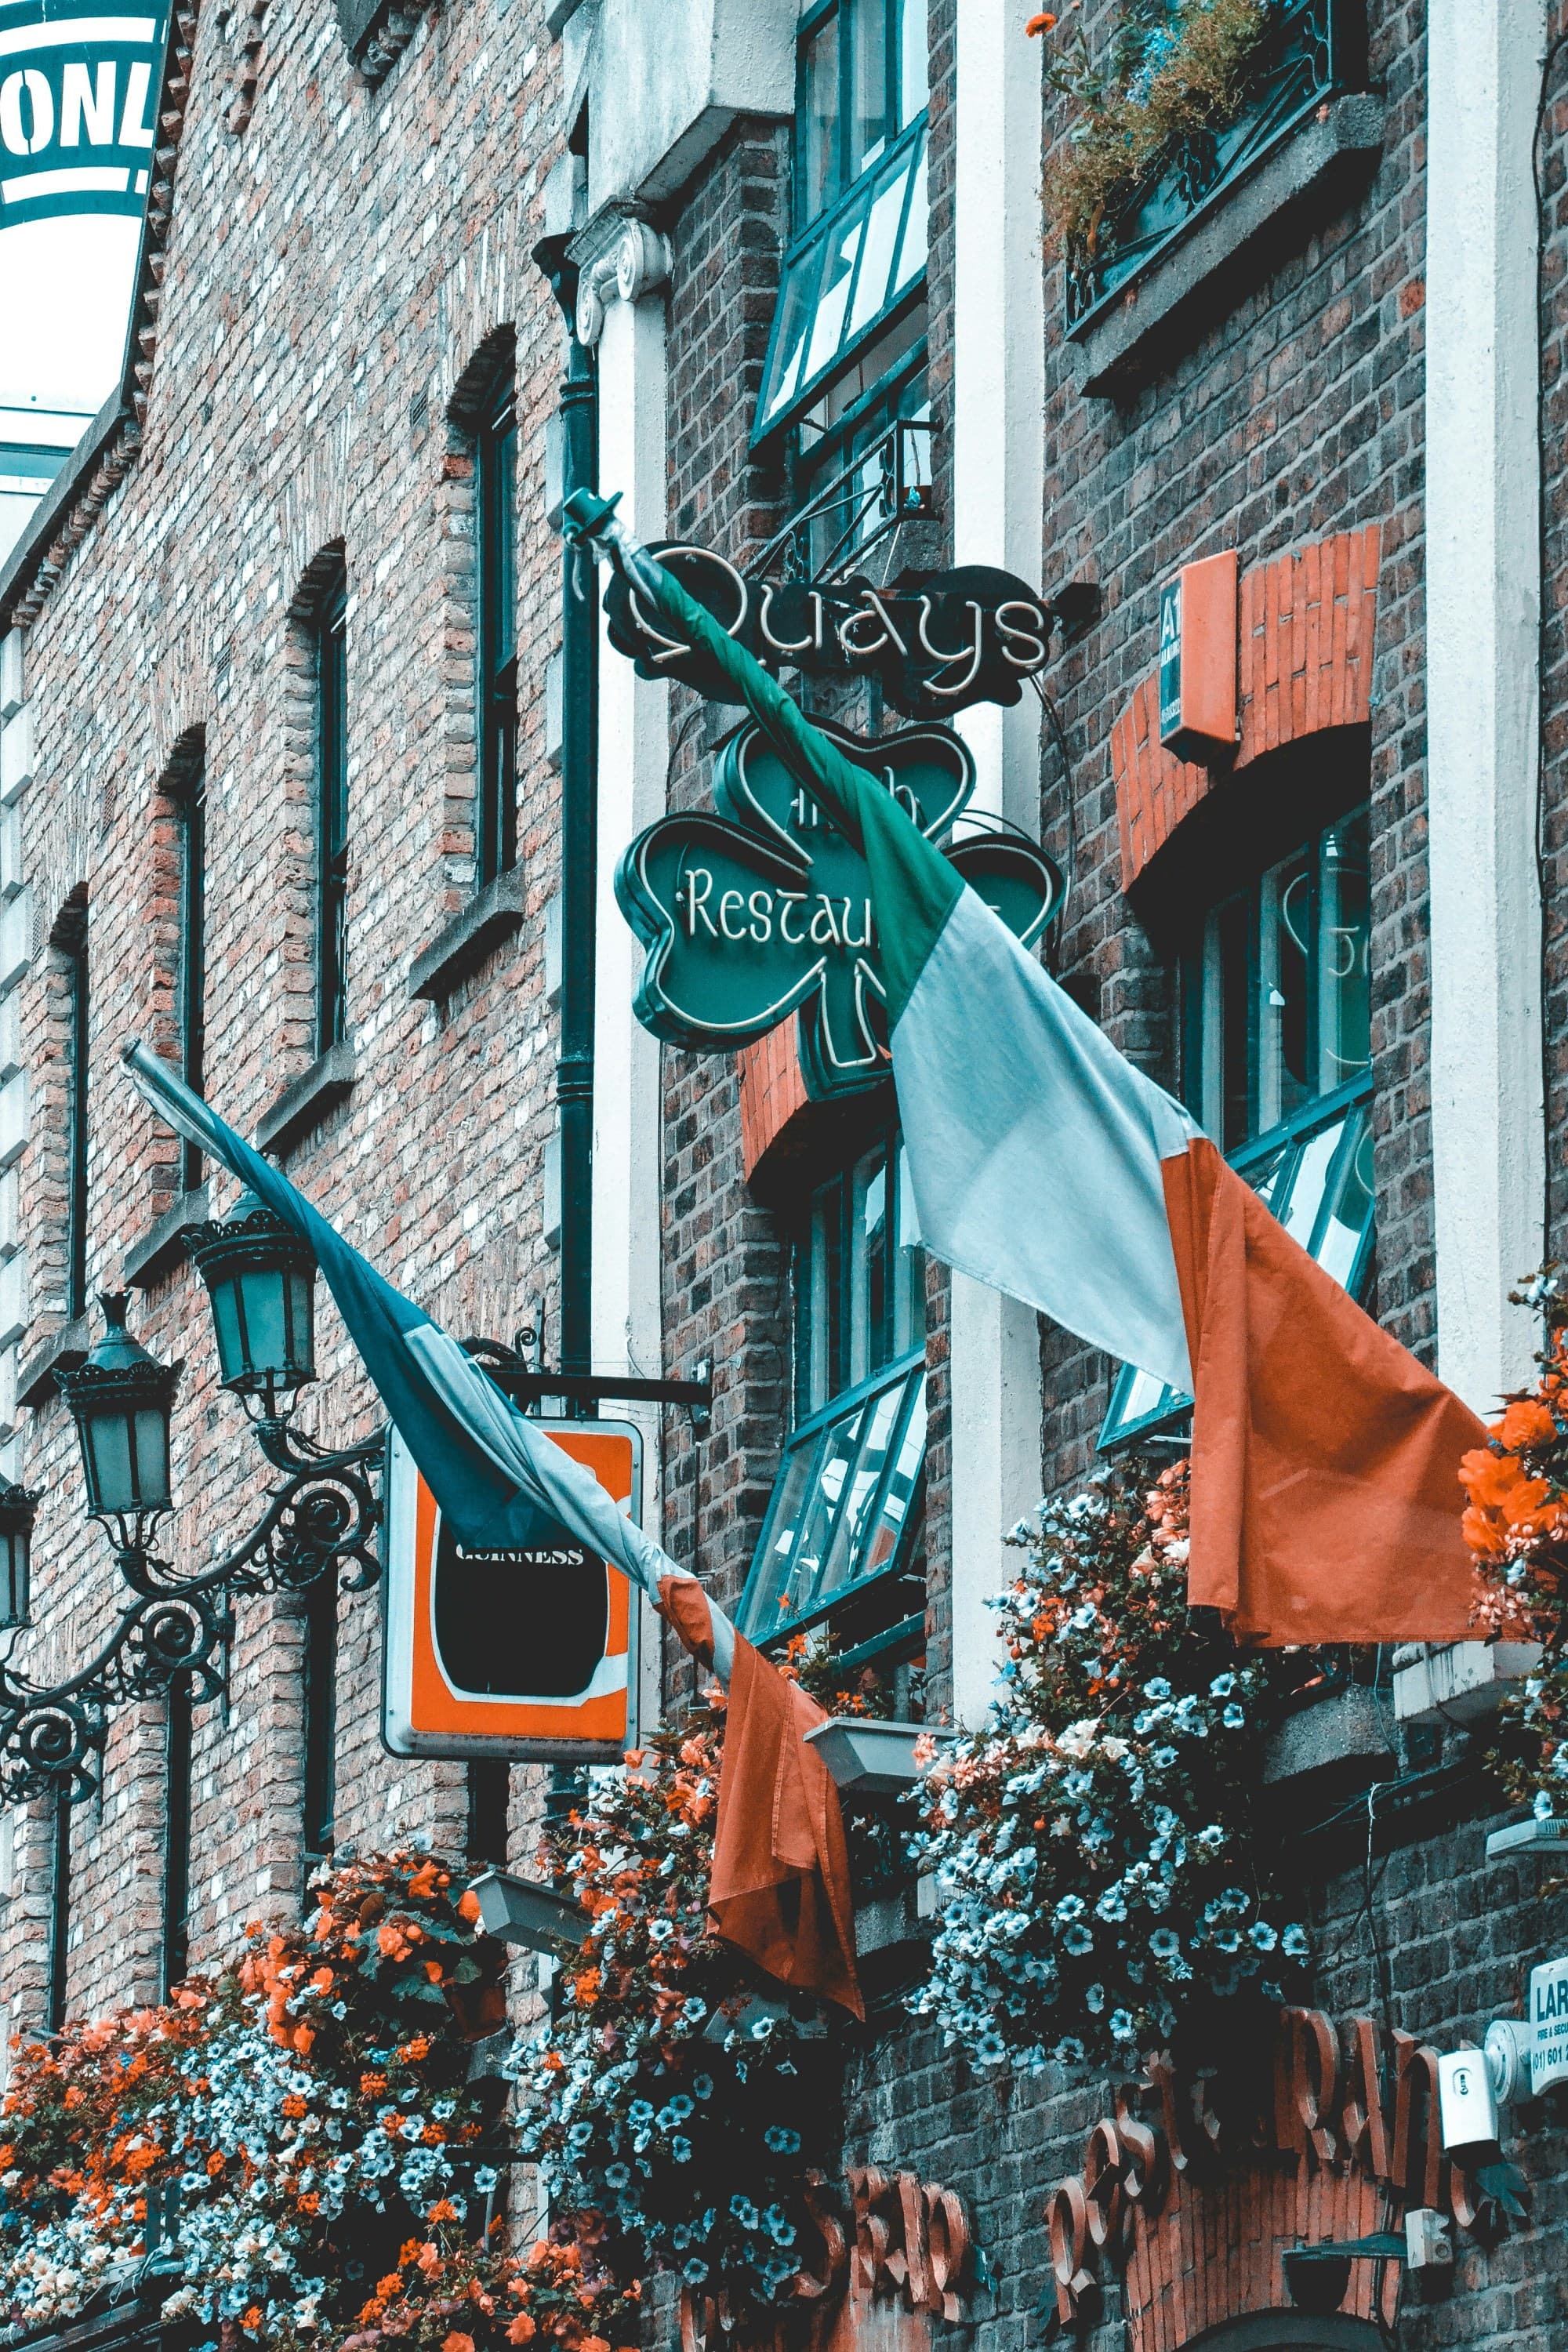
[{"x": 1325, "y": 1498}]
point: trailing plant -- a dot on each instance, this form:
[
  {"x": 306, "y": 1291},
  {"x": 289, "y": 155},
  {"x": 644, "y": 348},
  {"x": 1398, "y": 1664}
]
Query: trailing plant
[
  {"x": 1516, "y": 1523},
  {"x": 1100, "y": 1870},
  {"x": 664, "y": 2093},
  {"x": 1169, "y": 71},
  {"x": 307, "y": 2113}
]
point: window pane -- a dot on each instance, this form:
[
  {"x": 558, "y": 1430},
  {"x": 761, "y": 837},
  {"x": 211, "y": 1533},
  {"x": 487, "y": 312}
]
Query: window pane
[
  {"x": 914, "y": 60},
  {"x": 819, "y": 120},
  {"x": 877, "y": 257},
  {"x": 1347, "y": 1213},
  {"x": 909, "y": 1267},
  {"x": 820, "y": 1341},
  {"x": 868, "y": 1268},
  {"x": 869, "y": 124},
  {"x": 1344, "y": 993},
  {"x": 818, "y": 1513},
  {"x": 773, "y": 1595},
  {"x": 881, "y": 1541},
  {"x": 1298, "y": 1212},
  {"x": 846, "y": 1564},
  {"x": 913, "y": 252},
  {"x": 837, "y": 276},
  {"x": 1284, "y": 939},
  {"x": 796, "y": 299}
]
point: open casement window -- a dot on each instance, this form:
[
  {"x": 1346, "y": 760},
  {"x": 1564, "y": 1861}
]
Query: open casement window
[
  {"x": 1277, "y": 1065},
  {"x": 843, "y": 1528},
  {"x": 860, "y": 251}
]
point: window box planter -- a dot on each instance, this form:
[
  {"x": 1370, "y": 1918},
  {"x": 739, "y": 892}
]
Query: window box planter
[
  {"x": 522, "y": 1911},
  {"x": 1221, "y": 203},
  {"x": 869, "y": 1758}
]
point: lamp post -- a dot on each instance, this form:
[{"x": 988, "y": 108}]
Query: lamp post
[{"x": 320, "y": 1520}]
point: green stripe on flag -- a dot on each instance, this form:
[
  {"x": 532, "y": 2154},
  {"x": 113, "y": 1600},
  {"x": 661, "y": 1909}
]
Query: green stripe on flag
[{"x": 913, "y": 888}]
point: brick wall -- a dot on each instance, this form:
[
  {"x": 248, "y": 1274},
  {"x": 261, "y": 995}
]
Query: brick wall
[{"x": 331, "y": 275}]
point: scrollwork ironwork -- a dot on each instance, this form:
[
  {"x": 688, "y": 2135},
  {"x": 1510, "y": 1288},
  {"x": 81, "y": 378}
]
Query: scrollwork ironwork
[{"x": 321, "y": 1521}]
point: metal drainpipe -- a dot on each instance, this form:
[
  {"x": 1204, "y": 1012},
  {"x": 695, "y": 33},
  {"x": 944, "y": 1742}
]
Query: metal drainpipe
[{"x": 578, "y": 412}]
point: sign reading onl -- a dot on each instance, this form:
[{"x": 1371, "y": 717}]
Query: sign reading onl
[
  {"x": 79, "y": 106},
  {"x": 1548, "y": 2020},
  {"x": 765, "y": 910},
  {"x": 530, "y": 1654}
]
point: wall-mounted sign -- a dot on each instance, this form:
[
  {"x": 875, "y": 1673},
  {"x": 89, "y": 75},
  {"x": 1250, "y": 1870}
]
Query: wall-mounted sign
[
  {"x": 937, "y": 640},
  {"x": 520, "y": 1654},
  {"x": 1548, "y": 2020},
  {"x": 79, "y": 106},
  {"x": 1197, "y": 676},
  {"x": 765, "y": 910}
]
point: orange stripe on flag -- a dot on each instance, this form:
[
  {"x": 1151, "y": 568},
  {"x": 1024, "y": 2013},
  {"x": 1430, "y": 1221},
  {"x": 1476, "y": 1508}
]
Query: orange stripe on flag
[{"x": 1325, "y": 1494}]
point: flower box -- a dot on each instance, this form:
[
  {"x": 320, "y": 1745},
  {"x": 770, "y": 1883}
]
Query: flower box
[
  {"x": 869, "y": 1757},
  {"x": 522, "y": 1911}
]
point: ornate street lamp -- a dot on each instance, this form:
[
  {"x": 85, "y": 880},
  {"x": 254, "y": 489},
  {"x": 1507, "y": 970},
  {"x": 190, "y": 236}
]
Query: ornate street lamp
[
  {"x": 121, "y": 1401},
  {"x": 261, "y": 1280}
]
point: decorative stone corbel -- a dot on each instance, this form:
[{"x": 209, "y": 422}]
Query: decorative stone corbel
[{"x": 638, "y": 262}]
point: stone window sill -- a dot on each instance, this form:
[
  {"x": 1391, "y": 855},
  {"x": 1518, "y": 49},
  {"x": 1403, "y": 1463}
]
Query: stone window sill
[
  {"x": 62, "y": 1351},
  {"x": 1331, "y": 1747},
  {"x": 500, "y": 908},
  {"x": 1200, "y": 275},
  {"x": 306, "y": 1102},
  {"x": 163, "y": 1247},
  {"x": 1458, "y": 1682}
]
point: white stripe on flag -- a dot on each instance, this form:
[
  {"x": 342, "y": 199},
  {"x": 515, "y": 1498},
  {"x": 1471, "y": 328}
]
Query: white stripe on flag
[{"x": 1034, "y": 1146}]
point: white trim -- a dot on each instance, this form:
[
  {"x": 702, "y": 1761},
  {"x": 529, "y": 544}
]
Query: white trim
[
  {"x": 1483, "y": 607},
  {"x": 998, "y": 497}
]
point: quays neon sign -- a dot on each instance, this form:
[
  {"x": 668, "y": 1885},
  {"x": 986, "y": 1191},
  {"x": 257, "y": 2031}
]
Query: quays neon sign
[
  {"x": 938, "y": 641},
  {"x": 78, "y": 106},
  {"x": 765, "y": 909}
]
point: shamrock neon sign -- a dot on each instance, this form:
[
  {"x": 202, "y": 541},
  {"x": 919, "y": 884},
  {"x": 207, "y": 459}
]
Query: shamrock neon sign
[{"x": 765, "y": 909}]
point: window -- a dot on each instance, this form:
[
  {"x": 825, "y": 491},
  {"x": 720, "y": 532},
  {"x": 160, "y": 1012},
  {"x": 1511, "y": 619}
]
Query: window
[
  {"x": 320, "y": 1693},
  {"x": 859, "y": 249},
  {"x": 191, "y": 980},
  {"x": 846, "y": 1504},
  {"x": 331, "y": 813},
  {"x": 1276, "y": 1022},
  {"x": 495, "y": 471},
  {"x": 176, "y": 1950},
  {"x": 865, "y": 447},
  {"x": 78, "y": 1069}
]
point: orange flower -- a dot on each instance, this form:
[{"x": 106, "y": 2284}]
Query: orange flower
[
  {"x": 434, "y": 1970},
  {"x": 457, "y": 2341},
  {"x": 1525, "y": 1424},
  {"x": 371, "y": 2086},
  {"x": 214, "y": 2165},
  {"x": 468, "y": 1904},
  {"x": 294, "y": 2105},
  {"x": 391, "y": 1940},
  {"x": 388, "y": 2287},
  {"x": 1041, "y": 24},
  {"x": 443, "y": 2209},
  {"x": 522, "y": 2328},
  {"x": 322, "y": 1982},
  {"x": 252, "y": 2318},
  {"x": 303, "y": 2037}
]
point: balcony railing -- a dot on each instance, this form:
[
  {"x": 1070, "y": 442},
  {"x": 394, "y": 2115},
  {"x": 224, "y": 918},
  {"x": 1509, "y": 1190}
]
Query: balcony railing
[
  {"x": 1315, "y": 50},
  {"x": 884, "y": 484}
]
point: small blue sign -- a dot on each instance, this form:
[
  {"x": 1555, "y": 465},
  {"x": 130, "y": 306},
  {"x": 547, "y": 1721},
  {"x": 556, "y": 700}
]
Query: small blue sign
[
  {"x": 80, "y": 82},
  {"x": 1170, "y": 659}
]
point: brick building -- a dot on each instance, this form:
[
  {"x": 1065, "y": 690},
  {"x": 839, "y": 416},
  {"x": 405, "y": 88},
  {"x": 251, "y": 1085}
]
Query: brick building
[{"x": 802, "y": 249}]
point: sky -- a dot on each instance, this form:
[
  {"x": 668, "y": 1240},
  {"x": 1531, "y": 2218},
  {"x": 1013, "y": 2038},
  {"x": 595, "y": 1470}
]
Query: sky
[{"x": 65, "y": 294}]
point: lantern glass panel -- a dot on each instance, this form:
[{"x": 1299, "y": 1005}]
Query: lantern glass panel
[
  {"x": 106, "y": 1446},
  {"x": 302, "y": 1333},
  {"x": 264, "y": 1295},
  {"x": 153, "y": 1460},
  {"x": 13, "y": 1568},
  {"x": 232, "y": 1365}
]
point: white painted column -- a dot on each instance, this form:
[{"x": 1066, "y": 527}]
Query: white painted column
[
  {"x": 1483, "y": 609},
  {"x": 15, "y": 954},
  {"x": 634, "y": 751},
  {"x": 998, "y": 465}
]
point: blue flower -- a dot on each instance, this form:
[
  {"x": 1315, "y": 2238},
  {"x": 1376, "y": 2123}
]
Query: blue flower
[
  {"x": 702, "y": 2085},
  {"x": 1078, "y": 1940},
  {"x": 1121, "y": 2026},
  {"x": 1235, "y": 1717},
  {"x": 746, "y": 2213},
  {"x": 1294, "y": 1941},
  {"x": 680, "y": 2149},
  {"x": 619, "y": 2174},
  {"x": 485, "y": 2178},
  {"x": 694, "y": 2272},
  {"x": 781, "y": 2140},
  {"x": 1262, "y": 1934},
  {"x": 1163, "y": 1758},
  {"x": 1158, "y": 1688},
  {"x": 1222, "y": 1686}
]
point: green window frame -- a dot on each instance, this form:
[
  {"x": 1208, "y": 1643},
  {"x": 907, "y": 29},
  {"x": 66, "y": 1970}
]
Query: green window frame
[
  {"x": 494, "y": 633},
  {"x": 1276, "y": 1060},
  {"x": 846, "y": 1501},
  {"x": 859, "y": 254}
]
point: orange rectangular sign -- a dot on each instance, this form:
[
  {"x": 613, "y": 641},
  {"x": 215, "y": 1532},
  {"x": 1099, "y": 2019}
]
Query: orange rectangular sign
[{"x": 529, "y": 1655}]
